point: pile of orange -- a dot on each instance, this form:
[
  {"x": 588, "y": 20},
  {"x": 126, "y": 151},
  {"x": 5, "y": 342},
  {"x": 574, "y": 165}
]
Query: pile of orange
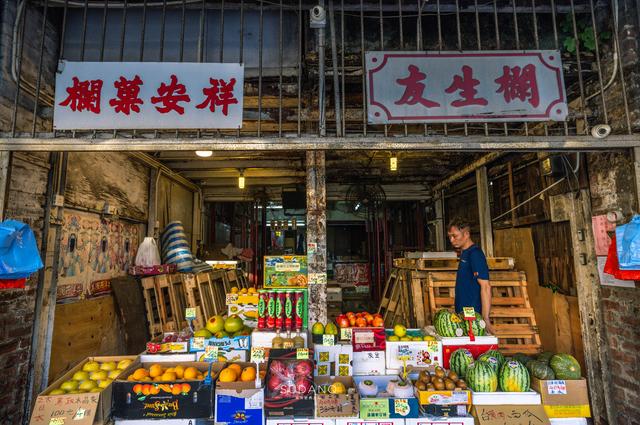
[
  {"x": 159, "y": 373},
  {"x": 236, "y": 373}
]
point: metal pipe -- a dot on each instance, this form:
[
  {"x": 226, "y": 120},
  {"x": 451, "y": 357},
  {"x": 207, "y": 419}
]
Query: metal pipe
[
  {"x": 39, "y": 77},
  {"x": 334, "y": 67},
  {"x": 322, "y": 124},
  {"x": 526, "y": 201}
]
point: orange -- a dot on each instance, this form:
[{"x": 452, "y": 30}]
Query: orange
[
  {"x": 168, "y": 376},
  {"x": 179, "y": 370},
  {"x": 248, "y": 374},
  {"x": 177, "y": 389},
  {"x": 236, "y": 367},
  {"x": 228, "y": 375},
  {"x": 155, "y": 370},
  {"x": 190, "y": 373},
  {"x": 140, "y": 373}
]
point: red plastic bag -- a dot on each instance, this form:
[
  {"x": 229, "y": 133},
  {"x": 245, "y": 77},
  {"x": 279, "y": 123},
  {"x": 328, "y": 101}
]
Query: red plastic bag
[
  {"x": 612, "y": 267},
  {"x": 12, "y": 283}
]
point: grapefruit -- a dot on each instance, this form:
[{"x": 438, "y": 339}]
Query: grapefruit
[{"x": 233, "y": 324}]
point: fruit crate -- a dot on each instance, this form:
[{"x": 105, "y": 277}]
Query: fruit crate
[
  {"x": 511, "y": 314},
  {"x": 79, "y": 409}
]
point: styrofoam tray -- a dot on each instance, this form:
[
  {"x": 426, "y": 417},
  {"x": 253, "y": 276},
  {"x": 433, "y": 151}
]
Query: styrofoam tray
[{"x": 529, "y": 397}]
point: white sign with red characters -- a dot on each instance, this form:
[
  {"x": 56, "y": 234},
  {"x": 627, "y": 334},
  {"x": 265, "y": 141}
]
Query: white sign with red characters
[
  {"x": 411, "y": 87},
  {"x": 148, "y": 95}
]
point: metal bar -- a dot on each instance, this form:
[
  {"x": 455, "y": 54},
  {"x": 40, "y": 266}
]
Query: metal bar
[
  {"x": 342, "y": 49},
  {"x": 143, "y": 30},
  {"x": 440, "y": 48},
  {"x": 299, "y": 67},
  {"x": 479, "y": 44},
  {"x": 381, "y": 17},
  {"x": 47, "y": 142},
  {"x": 334, "y": 66},
  {"x": 182, "y": 25},
  {"x": 401, "y": 29},
  {"x": 39, "y": 76},
  {"x": 517, "y": 37},
  {"x": 599, "y": 65},
  {"x": 162, "y": 29},
  {"x": 104, "y": 29},
  {"x": 322, "y": 124},
  {"x": 260, "y": 33},
  {"x": 20, "y": 34},
  {"x": 201, "y": 52},
  {"x": 364, "y": 77},
  {"x": 222, "y": 31},
  {"x": 459, "y": 43},
  {"x": 241, "y": 42},
  {"x": 122, "y": 31},
  {"x": 556, "y": 42},
  {"x": 580, "y": 82},
  {"x": 280, "y": 60},
  {"x": 419, "y": 44},
  {"x": 620, "y": 70},
  {"x": 498, "y": 44},
  {"x": 536, "y": 38},
  {"x": 84, "y": 30}
]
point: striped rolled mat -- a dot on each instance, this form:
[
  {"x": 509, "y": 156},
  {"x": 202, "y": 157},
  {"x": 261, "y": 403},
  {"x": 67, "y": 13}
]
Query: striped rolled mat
[{"x": 175, "y": 248}]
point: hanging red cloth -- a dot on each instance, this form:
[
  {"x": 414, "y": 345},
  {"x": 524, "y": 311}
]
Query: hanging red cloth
[{"x": 612, "y": 267}]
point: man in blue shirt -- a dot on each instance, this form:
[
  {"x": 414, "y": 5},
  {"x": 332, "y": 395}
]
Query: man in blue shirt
[{"x": 472, "y": 278}]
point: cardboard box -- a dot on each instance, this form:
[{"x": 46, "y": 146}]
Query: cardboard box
[
  {"x": 445, "y": 411},
  {"x": 285, "y": 271},
  {"x": 382, "y": 405},
  {"x": 79, "y": 409},
  {"x": 337, "y": 405},
  {"x": 368, "y": 339},
  {"x": 246, "y": 311},
  {"x": 260, "y": 338},
  {"x": 287, "y": 405},
  {"x": 464, "y": 420},
  {"x": 239, "y": 403},
  {"x": 333, "y": 360},
  {"x": 164, "y": 358},
  {"x": 369, "y": 363},
  {"x": 229, "y": 356},
  {"x": 182, "y": 399},
  {"x": 370, "y": 422},
  {"x": 291, "y": 421},
  {"x": 422, "y": 353},
  {"x": 164, "y": 422},
  {"x": 510, "y": 415},
  {"x": 506, "y": 398},
  {"x": 564, "y": 399}
]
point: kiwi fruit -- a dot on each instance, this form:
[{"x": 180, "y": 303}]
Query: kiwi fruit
[
  {"x": 449, "y": 385},
  {"x": 421, "y": 386},
  {"x": 430, "y": 387},
  {"x": 439, "y": 385},
  {"x": 462, "y": 384},
  {"x": 453, "y": 376},
  {"x": 439, "y": 372}
]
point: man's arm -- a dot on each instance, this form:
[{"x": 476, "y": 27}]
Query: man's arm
[{"x": 485, "y": 296}]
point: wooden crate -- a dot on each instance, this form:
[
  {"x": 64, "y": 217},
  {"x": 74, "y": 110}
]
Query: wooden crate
[
  {"x": 511, "y": 312},
  {"x": 403, "y": 300},
  {"x": 152, "y": 306},
  {"x": 436, "y": 264}
]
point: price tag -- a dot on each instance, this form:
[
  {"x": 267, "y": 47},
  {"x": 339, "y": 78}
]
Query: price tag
[
  {"x": 404, "y": 352},
  {"x": 257, "y": 355},
  {"x": 557, "y": 387},
  {"x": 346, "y": 333},
  {"x": 469, "y": 313},
  {"x": 190, "y": 313},
  {"x": 328, "y": 340},
  {"x": 232, "y": 298},
  {"x": 401, "y": 406},
  {"x": 302, "y": 354},
  {"x": 365, "y": 337},
  {"x": 211, "y": 353},
  {"x": 79, "y": 414},
  {"x": 197, "y": 343},
  {"x": 433, "y": 346},
  {"x": 56, "y": 421}
]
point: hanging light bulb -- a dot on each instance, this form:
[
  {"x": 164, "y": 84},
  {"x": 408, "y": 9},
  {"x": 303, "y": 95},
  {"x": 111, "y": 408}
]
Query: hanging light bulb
[
  {"x": 204, "y": 154},
  {"x": 393, "y": 163},
  {"x": 241, "y": 180}
]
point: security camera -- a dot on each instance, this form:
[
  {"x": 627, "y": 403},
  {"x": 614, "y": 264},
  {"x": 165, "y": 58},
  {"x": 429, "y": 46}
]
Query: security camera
[
  {"x": 601, "y": 131},
  {"x": 318, "y": 17}
]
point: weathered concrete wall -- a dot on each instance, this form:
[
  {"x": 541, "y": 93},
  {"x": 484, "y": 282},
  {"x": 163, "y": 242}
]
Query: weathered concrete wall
[{"x": 25, "y": 202}]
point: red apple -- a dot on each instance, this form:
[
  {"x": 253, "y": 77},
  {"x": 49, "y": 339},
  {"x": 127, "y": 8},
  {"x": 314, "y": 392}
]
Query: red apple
[{"x": 342, "y": 321}]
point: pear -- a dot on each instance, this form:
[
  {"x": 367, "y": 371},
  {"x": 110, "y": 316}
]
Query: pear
[
  {"x": 57, "y": 391},
  {"x": 108, "y": 366},
  {"x": 91, "y": 366},
  {"x": 81, "y": 375},
  {"x": 69, "y": 385},
  {"x": 87, "y": 385},
  {"x": 114, "y": 374},
  {"x": 104, "y": 383},
  {"x": 98, "y": 375},
  {"x": 123, "y": 364}
]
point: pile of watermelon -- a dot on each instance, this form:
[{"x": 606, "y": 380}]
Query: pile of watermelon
[
  {"x": 552, "y": 366},
  {"x": 450, "y": 324},
  {"x": 490, "y": 372}
]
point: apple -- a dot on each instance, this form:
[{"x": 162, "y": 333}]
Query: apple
[
  {"x": 343, "y": 321},
  {"x": 303, "y": 368},
  {"x": 215, "y": 324}
]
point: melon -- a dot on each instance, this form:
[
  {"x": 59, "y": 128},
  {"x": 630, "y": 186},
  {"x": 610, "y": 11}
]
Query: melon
[
  {"x": 514, "y": 377},
  {"x": 494, "y": 358},
  {"x": 565, "y": 366},
  {"x": 545, "y": 357},
  {"x": 478, "y": 325},
  {"x": 481, "y": 377},
  {"x": 447, "y": 324},
  {"x": 460, "y": 360},
  {"x": 540, "y": 370}
]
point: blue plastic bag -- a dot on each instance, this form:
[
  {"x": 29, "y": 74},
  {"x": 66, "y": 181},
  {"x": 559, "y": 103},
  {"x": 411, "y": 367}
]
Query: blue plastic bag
[
  {"x": 19, "y": 255},
  {"x": 628, "y": 244}
]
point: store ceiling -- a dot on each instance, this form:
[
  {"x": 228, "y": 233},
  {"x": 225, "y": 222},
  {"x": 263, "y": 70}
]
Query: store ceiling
[{"x": 267, "y": 173}]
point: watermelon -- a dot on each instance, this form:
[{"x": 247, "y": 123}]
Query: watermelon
[
  {"x": 514, "y": 377},
  {"x": 447, "y": 324},
  {"x": 481, "y": 377},
  {"x": 478, "y": 325},
  {"x": 460, "y": 361},
  {"x": 540, "y": 370},
  {"x": 545, "y": 357},
  {"x": 565, "y": 366},
  {"x": 495, "y": 354},
  {"x": 522, "y": 358}
]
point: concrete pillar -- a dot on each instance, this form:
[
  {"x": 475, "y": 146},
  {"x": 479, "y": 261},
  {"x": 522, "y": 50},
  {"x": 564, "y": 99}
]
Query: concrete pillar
[{"x": 317, "y": 236}]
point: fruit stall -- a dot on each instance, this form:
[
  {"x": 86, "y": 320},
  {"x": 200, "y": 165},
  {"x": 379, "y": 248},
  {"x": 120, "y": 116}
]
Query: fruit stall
[{"x": 262, "y": 362}]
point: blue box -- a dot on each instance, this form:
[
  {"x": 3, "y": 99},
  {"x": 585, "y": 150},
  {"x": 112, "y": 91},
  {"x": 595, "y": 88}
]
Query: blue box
[{"x": 223, "y": 344}]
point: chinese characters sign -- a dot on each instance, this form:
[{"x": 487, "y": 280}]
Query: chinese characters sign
[
  {"x": 410, "y": 87},
  {"x": 146, "y": 95}
]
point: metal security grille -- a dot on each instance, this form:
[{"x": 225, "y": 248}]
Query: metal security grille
[{"x": 305, "y": 82}]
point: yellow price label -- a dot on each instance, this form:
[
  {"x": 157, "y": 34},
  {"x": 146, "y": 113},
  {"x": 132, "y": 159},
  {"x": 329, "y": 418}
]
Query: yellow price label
[
  {"x": 211, "y": 353},
  {"x": 302, "y": 354},
  {"x": 257, "y": 355},
  {"x": 346, "y": 333},
  {"x": 469, "y": 313},
  {"x": 56, "y": 421}
]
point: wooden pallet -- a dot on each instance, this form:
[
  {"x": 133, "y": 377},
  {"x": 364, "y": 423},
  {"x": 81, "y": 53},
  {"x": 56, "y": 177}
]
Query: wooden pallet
[
  {"x": 511, "y": 312},
  {"x": 151, "y": 306},
  {"x": 438, "y": 264},
  {"x": 403, "y": 300}
]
